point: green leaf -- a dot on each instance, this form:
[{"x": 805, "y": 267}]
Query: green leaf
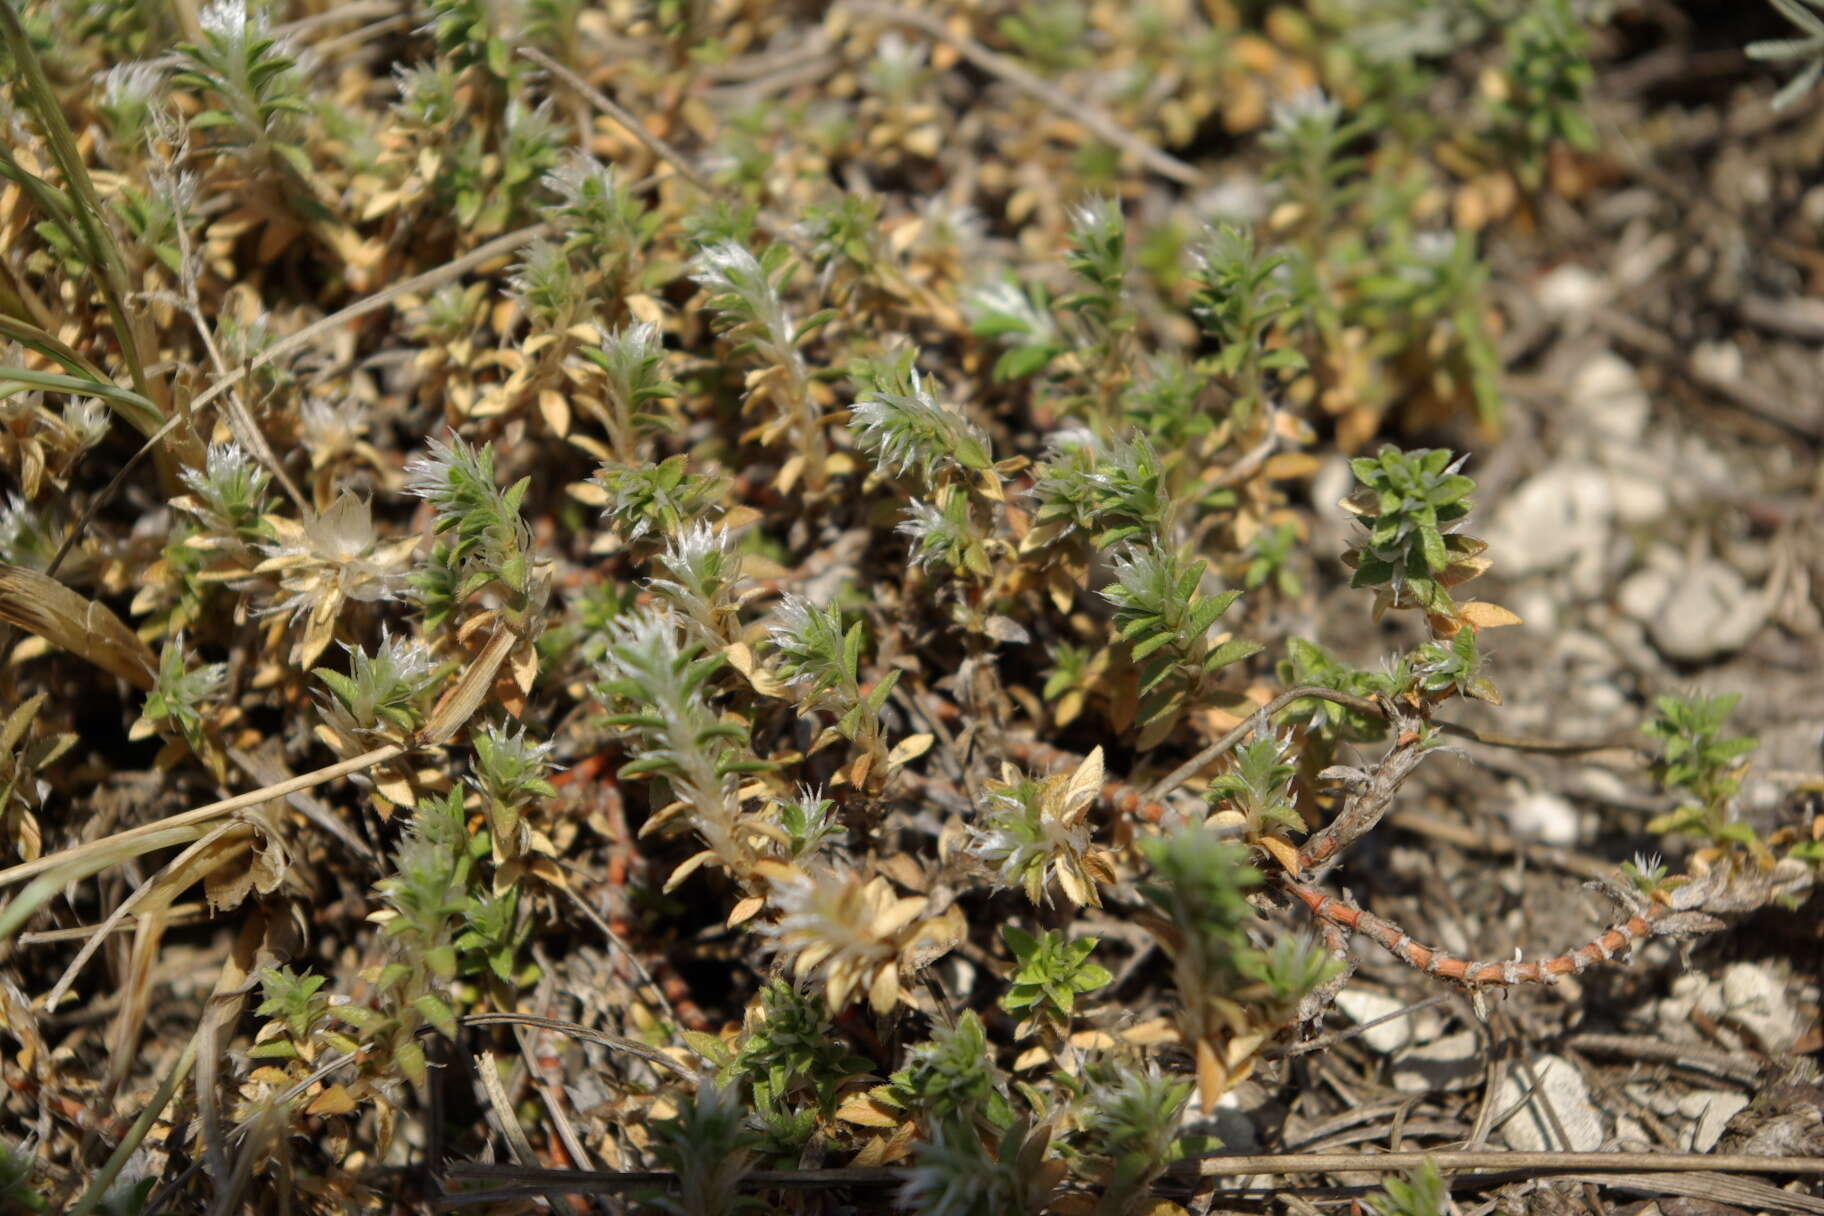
[
  {"x": 410, "y": 1058},
  {"x": 1232, "y": 651},
  {"x": 882, "y": 690},
  {"x": 1143, "y": 649},
  {"x": 442, "y": 961},
  {"x": 437, "y": 1012}
]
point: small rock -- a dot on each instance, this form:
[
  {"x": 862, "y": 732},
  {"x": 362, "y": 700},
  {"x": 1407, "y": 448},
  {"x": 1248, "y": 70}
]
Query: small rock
[
  {"x": 1571, "y": 291},
  {"x": 1672, "y": 1014},
  {"x": 1639, "y": 497},
  {"x": 1631, "y": 1135},
  {"x": 1600, "y": 784},
  {"x": 1811, "y": 206},
  {"x": 1650, "y": 1095},
  {"x": 1239, "y": 197},
  {"x": 1711, "y": 1109},
  {"x": 1722, "y": 360},
  {"x": 1750, "y": 995},
  {"x": 1531, "y": 1129},
  {"x": 1706, "y": 612},
  {"x": 1537, "y": 606},
  {"x": 1390, "y": 1036},
  {"x": 1233, "y": 1121},
  {"x": 1451, "y": 1063},
  {"x": 1644, "y": 592},
  {"x": 1698, "y": 460},
  {"x": 1543, "y": 816},
  {"x": 1332, "y": 482},
  {"x": 1756, "y": 997},
  {"x": 1552, "y": 518},
  {"x": 1606, "y": 392}
]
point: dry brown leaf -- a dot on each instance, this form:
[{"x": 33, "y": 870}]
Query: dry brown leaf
[
  {"x": 1283, "y": 851},
  {"x": 864, "y": 1111},
  {"x": 1484, "y": 615},
  {"x": 336, "y": 1100},
  {"x": 908, "y": 749}
]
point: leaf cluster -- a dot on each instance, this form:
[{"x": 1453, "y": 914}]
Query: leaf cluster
[
  {"x": 1409, "y": 506},
  {"x": 254, "y": 79},
  {"x": 1165, "y": 619},
  {"x": 1700, "y": 762},
  {"x": 950, "y": 1080},
  {"x": 1050, "y": 972}
]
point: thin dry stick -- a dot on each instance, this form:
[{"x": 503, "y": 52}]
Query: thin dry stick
[
  {"x": 550, "y": 1090},
  {"x": 1215, "y": 751},
  {"x": 1722, "y": 1064},
  {"x": 578, "y": 1181},
  {"x": 517, "y": 1143},
  {"x": 175, "y": 915},
  {"x": 1480, "y": 839},
  {"x": 267, "y": 770},
  {"x": 613, "y": 1042},
  {"x": 202, "y": 814},
  {"x": 1324, "y": 1042},
  {"x": 632, "y": 125},
  {"x": 1546, "y": 747},
  {"x": 1375, "y": 708},
  {"x": 1736, "y": 1194},
  {"x": 1110, "y": 131},
  {"x": 240, "y": 418},
  {"x": 1568, "y": 1162},
  {"x": 488, "y": 1068}
]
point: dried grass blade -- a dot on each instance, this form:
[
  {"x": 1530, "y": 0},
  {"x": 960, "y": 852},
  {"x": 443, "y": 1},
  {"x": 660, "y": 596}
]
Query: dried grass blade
[
  {"x": 147, "y": 892},
  {"x": 74, "y": 865},
  {"x": 149, "y": 836},
  {"x": 192, "y": 866},
  {"x": 219, "y": 1017},
  {"x": 45, "y": 607},
  {"x": 1750, "y": 1193},
  {"x": 462, "y": 701},
  {"x": 104, "y": 1180}
]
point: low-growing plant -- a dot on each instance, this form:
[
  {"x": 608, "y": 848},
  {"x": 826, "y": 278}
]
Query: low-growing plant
[
  {"x": 949, "y": 1082},
  {"x": 1702, "y": 767},
  {"x": 1032, "y": 831},
  {"x": 1049, "y": 975},
  {"x": 1419, "y": 1193},
  {"x": 821, "y": 662},
  {"x": 1166, "y": 622},
  {"x": 1807, "y": 49},
  {"x": 1232, "y": 995},
  {"x": 767, "y": 542},
  {"x": 1130, "y": 1134}
]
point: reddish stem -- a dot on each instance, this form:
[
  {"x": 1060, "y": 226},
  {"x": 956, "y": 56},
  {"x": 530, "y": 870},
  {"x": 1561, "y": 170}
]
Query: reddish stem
[{"x": 1397, "y": 942}]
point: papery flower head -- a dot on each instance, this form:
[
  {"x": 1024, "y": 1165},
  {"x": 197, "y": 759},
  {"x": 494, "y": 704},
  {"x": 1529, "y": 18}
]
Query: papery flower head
[
  {"x": 847, "y": 932},
  {"x": 331, "y": 559}
]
